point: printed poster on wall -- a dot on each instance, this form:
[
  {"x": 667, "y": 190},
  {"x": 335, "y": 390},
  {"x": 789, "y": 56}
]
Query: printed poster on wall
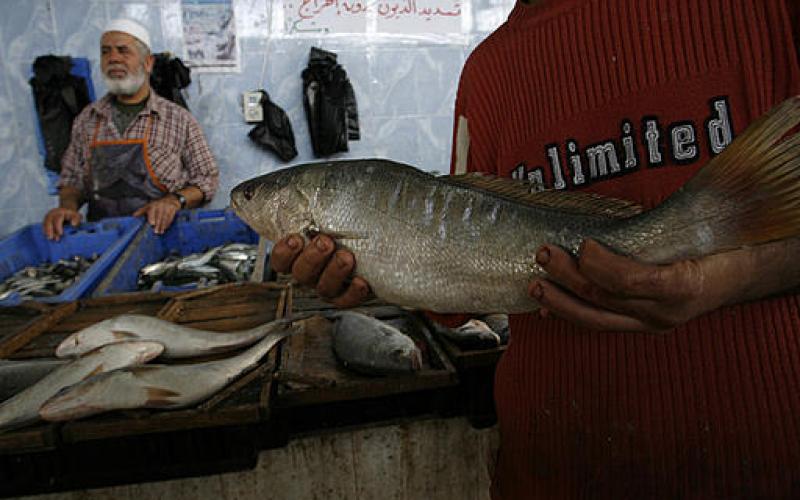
[
  {"x": 209, "y": 35},
  {"x": 372, "y": 16}
]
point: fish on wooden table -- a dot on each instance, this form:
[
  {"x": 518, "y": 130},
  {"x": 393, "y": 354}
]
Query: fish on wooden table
[
  {"x": 179, "y": 341},
  {"x": 370, "y": 346},
  {"x": 23, "y": 408},
  {"x": 467, "y": 243},
  {"x": 158, "y": 386},
  {"x": 16, "y": 376}
]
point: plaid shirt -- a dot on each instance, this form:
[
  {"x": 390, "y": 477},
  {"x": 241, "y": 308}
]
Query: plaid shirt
[{"x": 178, "y": 150}]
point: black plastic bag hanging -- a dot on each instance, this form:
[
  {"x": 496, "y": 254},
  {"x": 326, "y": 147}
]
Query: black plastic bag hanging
[
  {"x": 59, "y": 97},
  {"x": 169, "y": 77},
  {"x": 274, "y": 133},
  {"x": 330, "y": 104}
]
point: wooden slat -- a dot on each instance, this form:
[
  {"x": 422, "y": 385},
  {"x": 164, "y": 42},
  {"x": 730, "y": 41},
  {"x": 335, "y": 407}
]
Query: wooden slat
[{"x": 17, "y": 341}]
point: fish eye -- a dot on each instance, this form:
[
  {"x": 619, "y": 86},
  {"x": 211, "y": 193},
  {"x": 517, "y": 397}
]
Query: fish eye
[{"x": 249, "y": 191}]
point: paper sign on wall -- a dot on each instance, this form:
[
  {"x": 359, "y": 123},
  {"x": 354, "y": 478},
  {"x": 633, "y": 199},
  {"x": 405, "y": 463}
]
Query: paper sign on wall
[
  {"x": 209, "y": 35},
  {"x": 378, "y": 16}
]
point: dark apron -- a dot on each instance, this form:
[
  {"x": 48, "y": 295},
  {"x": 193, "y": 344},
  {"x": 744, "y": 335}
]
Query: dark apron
[{"x": 122, "y": 176}]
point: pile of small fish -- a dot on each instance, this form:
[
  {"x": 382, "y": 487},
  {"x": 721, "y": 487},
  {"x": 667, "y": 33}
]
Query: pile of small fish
[
  {"x": 109, "y": 372},
  {"x": 47, "y": 279},
  {"x": 222, "y": 264}
]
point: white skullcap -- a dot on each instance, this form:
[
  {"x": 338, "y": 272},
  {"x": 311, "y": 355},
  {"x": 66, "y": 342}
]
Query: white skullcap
[{"x": 130, "y": 27}]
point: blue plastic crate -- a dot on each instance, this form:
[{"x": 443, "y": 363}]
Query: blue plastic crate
[
  {"x": 193, "y": 231},
  {"x": 29, "y": 247}
]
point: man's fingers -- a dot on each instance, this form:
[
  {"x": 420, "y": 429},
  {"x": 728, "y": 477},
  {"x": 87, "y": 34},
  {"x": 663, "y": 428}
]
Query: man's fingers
[
  {"x": 140, "y": 211},
  {"x": 563, "y": 269},
  {"x": 560, "y": 303},
  {"x": 630, "y": 278},
  {"x": 285, "y": 252},
  {"x": 355, "y": 294},
  {"x": 335, "y": 274},
  {"x": 311, "y": 261}
]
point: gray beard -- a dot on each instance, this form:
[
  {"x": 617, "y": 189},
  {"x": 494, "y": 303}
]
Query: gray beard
[{"x": 125, "y": 86}]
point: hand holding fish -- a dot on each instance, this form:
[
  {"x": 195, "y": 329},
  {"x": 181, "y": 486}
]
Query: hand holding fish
[
  {"x": 606, "y": 291},
  {"x": 160, "y": 213},
  {"x": 321, "y": 266}
]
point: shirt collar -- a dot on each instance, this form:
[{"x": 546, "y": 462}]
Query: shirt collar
[{"x": 154, "y": 105}]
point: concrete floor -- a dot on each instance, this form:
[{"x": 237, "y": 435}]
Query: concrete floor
[{"x": 436, "y": 459}]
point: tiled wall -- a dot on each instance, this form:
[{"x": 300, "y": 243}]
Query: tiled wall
[{"x": 405, "y": 86}]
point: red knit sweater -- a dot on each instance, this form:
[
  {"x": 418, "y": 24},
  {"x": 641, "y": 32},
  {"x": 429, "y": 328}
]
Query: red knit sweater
[{"x": 712, "y": 409}]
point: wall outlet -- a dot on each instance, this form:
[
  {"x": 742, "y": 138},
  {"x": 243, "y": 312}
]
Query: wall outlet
[{"x": 253, "y": 112}]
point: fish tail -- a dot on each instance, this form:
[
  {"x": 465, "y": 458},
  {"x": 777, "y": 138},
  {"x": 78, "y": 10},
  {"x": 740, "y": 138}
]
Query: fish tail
[{"x": 747, "y": 195}]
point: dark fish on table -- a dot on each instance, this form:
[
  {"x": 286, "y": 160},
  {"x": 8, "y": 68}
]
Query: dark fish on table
[
  {"x": 474, "y": 334},
  {"x": 467, "y": 244},
  {"x": 499, "y": 325},
  {"x": 370, "y": 346}
]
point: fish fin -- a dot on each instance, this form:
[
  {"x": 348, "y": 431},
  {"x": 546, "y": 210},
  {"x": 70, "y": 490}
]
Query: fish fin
[
  {"x": 158, "y": 397},
  {"x": 524, "y": 192},
  {"x": 123, "y": 335},
  {"x": 98, "y": 369},
  {"x": 749, "y": 194}
]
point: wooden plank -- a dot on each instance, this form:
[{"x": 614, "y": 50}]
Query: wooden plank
[
  {"x": 33, "y": 330},
  {"x": 41, "y": 437}
]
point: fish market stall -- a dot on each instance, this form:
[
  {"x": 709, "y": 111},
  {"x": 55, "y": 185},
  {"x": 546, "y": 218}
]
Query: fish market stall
[{"x": 222, "y": 432}]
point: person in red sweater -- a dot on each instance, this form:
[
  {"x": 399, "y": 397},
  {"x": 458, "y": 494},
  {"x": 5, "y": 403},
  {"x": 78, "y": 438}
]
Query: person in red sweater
[{"x": 629, "y": 99}]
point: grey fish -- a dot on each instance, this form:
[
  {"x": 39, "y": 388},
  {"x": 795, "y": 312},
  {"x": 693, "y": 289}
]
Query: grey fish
[
  {"x": 16, "y": 376},
  {"x": 23, "y": 408},
  {"x": 499, "y": 325},
  {"x": 46, "y": 279},
  {"x": 179, "y": 341},
  {"x": 468, "y": 243},
  {"x": 368, "y": 345},
  {"x": 157, "y": 386}
]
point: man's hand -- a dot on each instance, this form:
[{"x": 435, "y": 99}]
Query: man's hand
[
  {"x": 53, "y": 225},
  {"x": 605, "y": 291},
  {"x": 321, "y": 266},
  {"x": 160, "y": 213}
]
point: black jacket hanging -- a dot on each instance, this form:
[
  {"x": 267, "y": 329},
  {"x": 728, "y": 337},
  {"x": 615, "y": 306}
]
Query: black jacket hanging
[
  {"x": 59, "y": 97},
  {"x": 274, "y": 133},
  {"x": 329, "y": 103},
  {"x": 169, "y": 77}
]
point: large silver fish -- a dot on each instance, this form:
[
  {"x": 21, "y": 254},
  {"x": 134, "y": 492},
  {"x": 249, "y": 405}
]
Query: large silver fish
[
  {"x": 157, "y": 386},
  {"x": 23, "y": 408},
  {"x": 179, "y": 341},
  {"x": 468, "y": 243}
]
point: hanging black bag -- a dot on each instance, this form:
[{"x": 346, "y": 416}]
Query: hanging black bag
[
  {"x": 329, "y": 103},
  {"x": 169, "y": 77},
  {"x": 274, "y": 132},
  {"x": 59, "y": 96}
]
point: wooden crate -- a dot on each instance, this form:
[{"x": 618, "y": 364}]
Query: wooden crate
[
  {"x": 309, "y": 373},
  {"x": 38, "y": 337},
  {"x": 223, "y": 308}
]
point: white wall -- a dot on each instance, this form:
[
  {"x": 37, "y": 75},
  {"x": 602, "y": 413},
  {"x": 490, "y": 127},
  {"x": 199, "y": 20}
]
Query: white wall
[{"x": 405, "y": 86}]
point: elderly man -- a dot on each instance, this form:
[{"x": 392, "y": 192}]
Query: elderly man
[{"x": 132, "y": 152}]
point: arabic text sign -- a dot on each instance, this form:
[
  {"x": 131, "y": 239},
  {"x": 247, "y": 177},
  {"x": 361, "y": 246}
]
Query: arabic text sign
[{"x": 380, "y": 16}]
